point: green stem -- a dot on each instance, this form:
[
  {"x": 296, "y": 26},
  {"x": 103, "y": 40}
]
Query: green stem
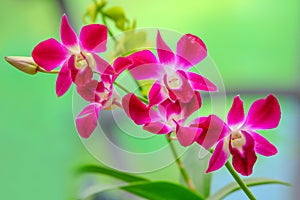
[
  {"x": 108, "y": 29},
  {"x": 47, "y": 72},
  {"x": 121, "y": 87},
  {"x": 181, "y": 168},
  {"x": 139, "y": 86},
  {"x": 241, "y": 183}
]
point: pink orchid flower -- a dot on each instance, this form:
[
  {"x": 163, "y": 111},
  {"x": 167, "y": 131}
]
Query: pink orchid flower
[
  {"x": 242, "y": 140},
  {"x": 171, "y": 72},
  {"x": 169, "y": 117},
  {"x": 100, "y": 94},
  {"x": 50, "y": 54}
]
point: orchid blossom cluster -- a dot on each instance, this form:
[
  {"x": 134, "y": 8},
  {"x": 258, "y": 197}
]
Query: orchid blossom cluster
[{"x": 174, "y": 96}]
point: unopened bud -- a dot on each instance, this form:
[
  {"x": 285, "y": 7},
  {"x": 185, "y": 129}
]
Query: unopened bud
[{"x": 25, "y": 64}]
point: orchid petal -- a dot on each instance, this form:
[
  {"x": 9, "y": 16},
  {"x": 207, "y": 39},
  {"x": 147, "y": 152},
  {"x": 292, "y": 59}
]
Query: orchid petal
[
  {"x": 87, "y": 91},
  {"x": 135, "y": 109},
  {"x": 164, "y": 52},
  {"x": 157, "y": 128},
  {"x": 243, "y": 161},
  {"x": 156, "y": 94},
  {"x": 219, "y": 156},
  {"x": 72, "y": 67},
  {"x": 49, "y": 54},
  {"x": 83, "y": 76},
  {"x": 104, "y": 91},
  {"x": 169, "y": 109},
  {"x": 199, "y": 82},
  {"x": 184, "y": 93},
  {"x": 179, "y": 109},
  {"x": 93, "y": 37},
  {"x": 187, "y": 135},
  {"x": 67, "y": 34},
  {"x": 190, "y": 51},
  {"x": 121, "y": 64},
  {"x": 173, "y": 109},
  {"x": 214, "y": 129},
  {"x": 236, "y": 114},
  {"x": 193, "y": 105},
  {"x": 63, "y": 81},
  {"x": 145, "y": 66},
  {"x": 87, "y": 120},
  {"x": 264, "y": 114},
  {"x": 102, "y": 66},
  {"x": 262, "y": 145}
]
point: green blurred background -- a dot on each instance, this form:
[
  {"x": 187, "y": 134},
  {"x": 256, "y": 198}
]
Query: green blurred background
[{"x": 255, "y": 45}]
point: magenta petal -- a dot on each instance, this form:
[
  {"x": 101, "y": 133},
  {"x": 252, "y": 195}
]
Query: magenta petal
[
  {"x": 184, "y": 93},
  {"x": 72, "y": 67},
  {"x": 235, "y": 115},
  {"x": 83, "y": 76},
  {"x": 164, "y": 52},
  {"x": 219, "y": 157},
  {"x": 243, "y": 161},
  {"x": 67, "y": 34},
  {"x": 193, "y": 105},
  {"x": 169, "y": 109},
  {"x": 102, "y": 66},
  {"x": 145, "y": 66},
  {"x": 178, "y": 109},
  {"x": 88, "y": 90},
  {"x": 199, "y": 82},
  {"x": 214, "y": 129},
  {"x": 190, "y": 51},
  {"x": 63, "y": 81},
  {"x": 135, "y": 109},
  {"x": 93, "y": 37},
  {"x": 87, "y": 120},
  {"x": 49, "y": 54},
  {"x": 262, "y": 145},
  {"x": 187, "y": 135},
  {"x": 157, "y": 128},
  {"x": 121, "y": 64},
  {"x": 156, "y": 94},
  {"x": 264, "y": 114}
]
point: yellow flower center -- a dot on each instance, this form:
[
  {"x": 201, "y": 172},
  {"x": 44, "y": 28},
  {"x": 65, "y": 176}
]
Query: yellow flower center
[
  {"x": 83, "y": 60},
  {"x": 237, "y": 140},
  {"x": 174, "y": 81}
]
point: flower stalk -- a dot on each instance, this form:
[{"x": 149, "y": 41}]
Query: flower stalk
[
  {"x": 240, "y": 181},
  {"x": 181, "y": 168}
]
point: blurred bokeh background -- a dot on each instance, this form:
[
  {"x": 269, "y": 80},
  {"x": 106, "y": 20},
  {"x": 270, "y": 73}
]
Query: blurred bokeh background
[{"x": 255, "y": 45}]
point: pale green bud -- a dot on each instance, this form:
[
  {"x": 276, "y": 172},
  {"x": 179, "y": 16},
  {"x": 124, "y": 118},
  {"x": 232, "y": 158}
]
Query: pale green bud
[{"x": 25, "y": 64}]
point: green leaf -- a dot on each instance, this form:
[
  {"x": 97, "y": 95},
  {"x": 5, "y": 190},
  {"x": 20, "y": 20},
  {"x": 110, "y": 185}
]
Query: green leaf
[
  {"x": 232, "y": 187},
  {"x": 110, "y": 172},
  {"x": 159, "y": 190},
  {"x": 195, "y": 161}
]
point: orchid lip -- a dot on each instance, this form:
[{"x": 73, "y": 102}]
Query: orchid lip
[
  {"x": 83, "y": 60},
  {"x": 174, "y": 81},
  {"x": 237, "y": 140}
]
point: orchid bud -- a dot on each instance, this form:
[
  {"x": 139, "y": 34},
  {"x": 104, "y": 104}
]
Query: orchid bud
[{"x": 25, "y": 64}]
